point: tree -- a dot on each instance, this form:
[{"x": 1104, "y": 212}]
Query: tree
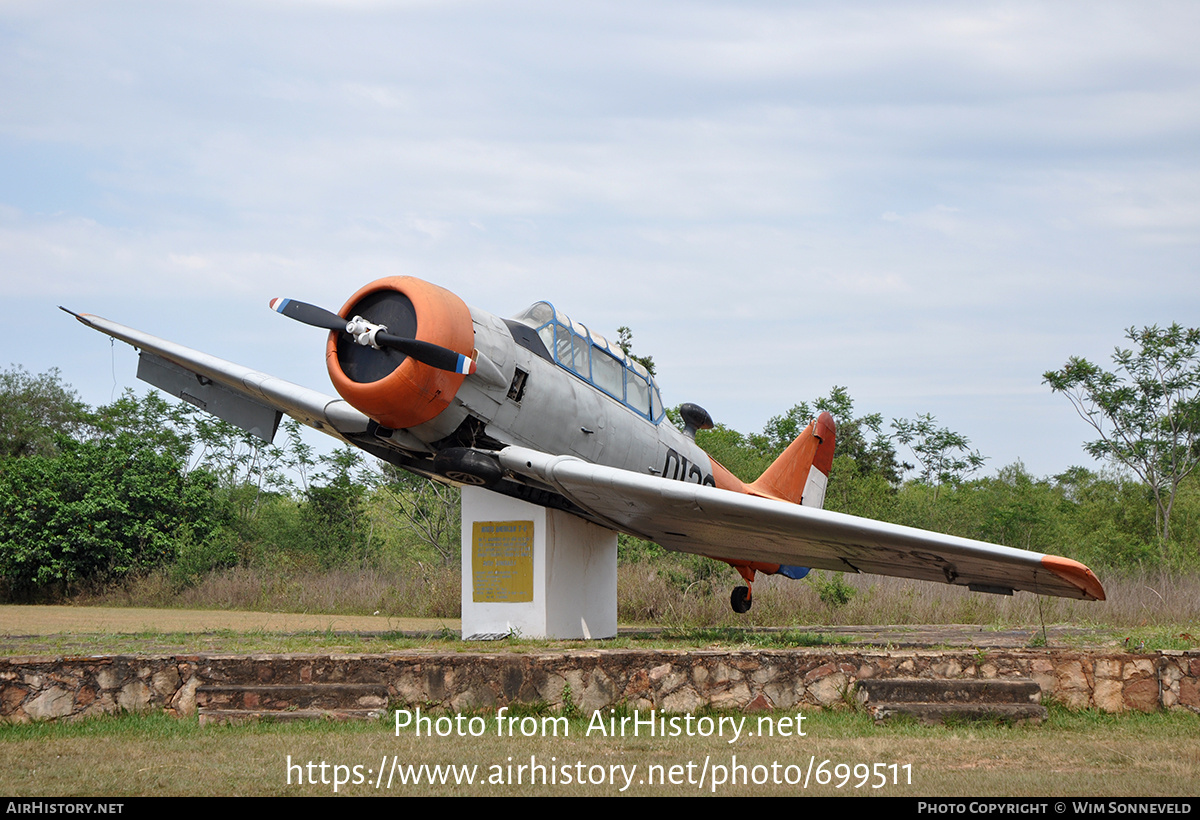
[
  {"x": 428, "y": 509},
  {"x": 625, "y": 342},
  {"x": 34, "y": 410},
  {"x": 118, "y": 499},
  {"x": 859, "y": 438},
  {"x": 1018, "y": 511},
  {"x": 335, "y": 514},
  {"x": 1147, "y": 412},
  {"x": 737, "y": 453},
  {"x": 97, "y": 511},
  {"x": 943, "y": 456},
  {"x": 156, "y": 423},
  {"x": 247, "y": 468},
  {"x": 1107, "y": 517}
]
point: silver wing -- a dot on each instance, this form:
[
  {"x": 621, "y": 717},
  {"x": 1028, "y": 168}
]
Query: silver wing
[
  {"x": 247, "y": 398},
  {"x": 722, "y": 524}
]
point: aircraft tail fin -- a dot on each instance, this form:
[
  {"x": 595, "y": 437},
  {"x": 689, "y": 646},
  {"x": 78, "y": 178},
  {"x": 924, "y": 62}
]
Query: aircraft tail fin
[{"x": 800, "y": 474}]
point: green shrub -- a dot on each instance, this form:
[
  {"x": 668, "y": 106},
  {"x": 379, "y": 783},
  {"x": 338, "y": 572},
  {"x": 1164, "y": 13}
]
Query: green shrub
[
  {"x": 833, "y": 591},
  {"x": 97, "y": 512}
]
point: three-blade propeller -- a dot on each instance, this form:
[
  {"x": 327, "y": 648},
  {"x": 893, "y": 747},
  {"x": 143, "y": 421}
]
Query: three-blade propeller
[{"x": 363, "y": 332}]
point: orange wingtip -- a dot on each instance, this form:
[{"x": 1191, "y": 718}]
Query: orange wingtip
[{"x": 1076, "y": 574}]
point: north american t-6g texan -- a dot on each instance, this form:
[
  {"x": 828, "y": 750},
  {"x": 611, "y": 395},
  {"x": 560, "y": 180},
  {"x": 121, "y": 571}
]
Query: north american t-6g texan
[{"x": 539, "y": 408}]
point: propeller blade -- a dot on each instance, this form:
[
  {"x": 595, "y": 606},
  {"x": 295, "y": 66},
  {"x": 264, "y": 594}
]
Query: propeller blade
[
  {"x": 443, "y": 358},
  {"x": 308, "y": 314}
]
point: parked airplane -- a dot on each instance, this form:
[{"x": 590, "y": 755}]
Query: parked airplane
[{"x": 540, "y": 408}]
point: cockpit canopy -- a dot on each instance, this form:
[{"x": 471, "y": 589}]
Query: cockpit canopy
[{"x": 591, "y": 357}]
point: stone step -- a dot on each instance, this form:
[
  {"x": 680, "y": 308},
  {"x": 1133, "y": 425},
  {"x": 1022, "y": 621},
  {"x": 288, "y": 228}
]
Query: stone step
[
  {"x": 217, "y": 716},
  {"x": 924, "y": 690},
  {"x": 939, "y": 712},
  {"x": 932, "y": 701},
  {"x": 295, "y": 701}
]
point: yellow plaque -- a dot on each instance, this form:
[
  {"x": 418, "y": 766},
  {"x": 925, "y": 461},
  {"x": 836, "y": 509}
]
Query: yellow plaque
[{"x": 502, "y": 561}]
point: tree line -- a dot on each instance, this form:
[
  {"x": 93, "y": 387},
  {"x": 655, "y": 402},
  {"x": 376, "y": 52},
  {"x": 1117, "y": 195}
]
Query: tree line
[{"x": 89, "y": 497}]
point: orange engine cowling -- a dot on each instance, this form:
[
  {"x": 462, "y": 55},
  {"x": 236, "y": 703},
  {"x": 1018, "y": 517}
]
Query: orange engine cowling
[{"x": 390, "y": 387}]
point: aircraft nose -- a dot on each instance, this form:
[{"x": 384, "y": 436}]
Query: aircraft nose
[{"x": 392, "y": 388}]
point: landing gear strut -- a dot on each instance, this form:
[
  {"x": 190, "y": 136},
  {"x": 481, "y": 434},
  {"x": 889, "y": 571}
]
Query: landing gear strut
[{"x": 740, "y": 600}]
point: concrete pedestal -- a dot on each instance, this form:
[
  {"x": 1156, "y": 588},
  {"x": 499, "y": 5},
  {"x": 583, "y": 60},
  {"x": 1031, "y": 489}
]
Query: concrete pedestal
[{"x": 534, "y": 572}]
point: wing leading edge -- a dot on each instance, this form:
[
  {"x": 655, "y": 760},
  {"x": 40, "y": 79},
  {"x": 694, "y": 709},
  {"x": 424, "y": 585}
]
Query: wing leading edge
[
  {"x": 248, "y": 398},
  {"x": 722, "y": 524}
]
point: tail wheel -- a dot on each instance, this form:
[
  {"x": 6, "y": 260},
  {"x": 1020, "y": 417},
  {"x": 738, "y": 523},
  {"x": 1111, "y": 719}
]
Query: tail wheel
[{"x": 740, "y": 600}]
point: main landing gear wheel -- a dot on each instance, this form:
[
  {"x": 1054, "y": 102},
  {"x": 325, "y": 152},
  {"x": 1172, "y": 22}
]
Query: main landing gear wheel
[
  {"x": 740, "y": 599},
  {"x": 468, "y": 467}
]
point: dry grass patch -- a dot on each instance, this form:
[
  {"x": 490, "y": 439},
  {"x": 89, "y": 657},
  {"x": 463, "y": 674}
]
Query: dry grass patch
[
  {"x": 648, "y": 594},
  {"x": 418, "y": 591}
]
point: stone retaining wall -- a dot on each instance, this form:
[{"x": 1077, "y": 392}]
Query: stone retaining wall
[{"x": 41, "y": 688}]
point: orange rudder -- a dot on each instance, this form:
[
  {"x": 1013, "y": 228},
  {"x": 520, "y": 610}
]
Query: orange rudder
[{"x": 799, "y": 475}]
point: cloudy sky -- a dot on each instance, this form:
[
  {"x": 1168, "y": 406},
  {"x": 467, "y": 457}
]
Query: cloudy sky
[{"x": 930, "y": 204}]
